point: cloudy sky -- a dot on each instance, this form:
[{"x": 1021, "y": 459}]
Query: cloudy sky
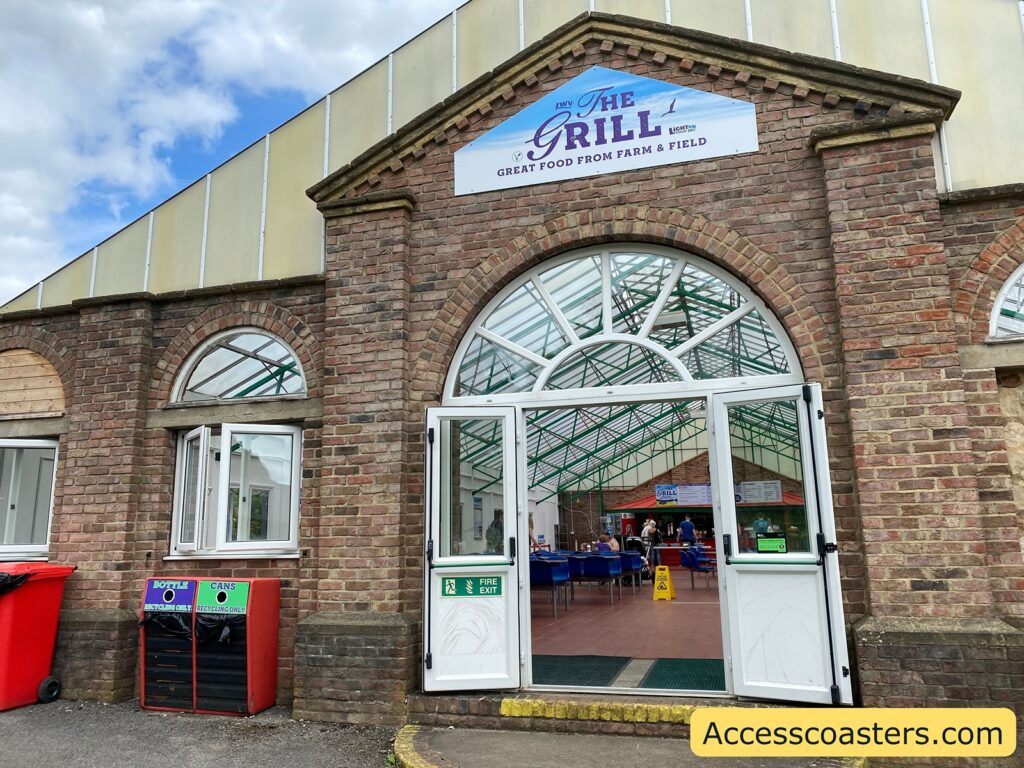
[{"x": 111, "y": 106}]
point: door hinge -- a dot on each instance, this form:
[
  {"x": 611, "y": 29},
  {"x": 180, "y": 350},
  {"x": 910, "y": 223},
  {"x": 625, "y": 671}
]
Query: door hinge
[
  {"x": 846, "y": 671},
  {"x": 430, "y": 435},
  {"x": 836, "y": 698},
  {"x": 428, "y": 660},
  {"x": 430, "y": 550}
]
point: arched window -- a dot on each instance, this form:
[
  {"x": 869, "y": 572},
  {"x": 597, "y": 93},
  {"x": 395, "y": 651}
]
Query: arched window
[
  {"x": 237, "y": 486},
  {"x": 30, "y": 387},
  {"x": 624, "y": 316},
  {"x": 240, "y": 363},
  {"x": 1008, "y": 313}
]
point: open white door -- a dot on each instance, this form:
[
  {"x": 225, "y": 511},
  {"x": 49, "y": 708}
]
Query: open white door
[
  {"x": 471, "y": 598},
  {"x": 777, "y": 552}
]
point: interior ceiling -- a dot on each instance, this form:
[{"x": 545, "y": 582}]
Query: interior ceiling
[{"x": 663, "y": 314}]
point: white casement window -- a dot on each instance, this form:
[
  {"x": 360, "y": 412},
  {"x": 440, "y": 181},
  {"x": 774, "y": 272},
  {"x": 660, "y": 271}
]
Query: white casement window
[
  {"x": 237, "y": 490},
  {"x": 27, "y": 472}
]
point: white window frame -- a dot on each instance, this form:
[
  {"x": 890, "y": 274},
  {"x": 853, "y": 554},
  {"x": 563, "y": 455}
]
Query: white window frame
[
  {"x": 216, "y": 520},
  {"x": 33, "y": 551}
]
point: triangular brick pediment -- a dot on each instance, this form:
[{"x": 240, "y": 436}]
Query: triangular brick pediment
[{"x": 866, "y": 93}]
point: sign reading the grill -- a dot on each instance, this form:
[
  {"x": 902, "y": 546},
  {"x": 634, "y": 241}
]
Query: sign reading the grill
[
  {"x": 604, "y": 121},
  {"x": 471, "y": 586}
]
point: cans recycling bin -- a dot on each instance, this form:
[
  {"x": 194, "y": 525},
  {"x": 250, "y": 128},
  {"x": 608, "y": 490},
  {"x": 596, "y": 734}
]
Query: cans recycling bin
[
  {"x": 30, "y": 597},
  {"x": 210, "y": 645}
]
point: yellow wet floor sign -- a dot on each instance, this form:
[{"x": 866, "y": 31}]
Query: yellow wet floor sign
[{"x": 663, "y": 589}]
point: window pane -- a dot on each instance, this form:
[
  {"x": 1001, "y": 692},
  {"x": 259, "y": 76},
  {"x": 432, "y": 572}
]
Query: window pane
[
  {"x": 767, "y": 469},
  {"x": 244, "y": 365},
  {"x": 259, "y": 504},
  {"x": 187, "y": 534},
  {"x": 26, "y": 489},
  {"x": 472, "y": 489}
]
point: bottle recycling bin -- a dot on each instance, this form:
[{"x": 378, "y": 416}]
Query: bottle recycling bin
[
  {"x": 210, "y": 645},
  {"x": 167, "y": 649},
  {"x": 30, "y": 597}
]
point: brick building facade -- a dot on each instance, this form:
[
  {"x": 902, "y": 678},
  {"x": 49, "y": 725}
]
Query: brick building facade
[{"x": 884, "y": 287}]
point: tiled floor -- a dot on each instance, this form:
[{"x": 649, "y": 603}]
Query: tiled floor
[{"x": 688, "y": 627}]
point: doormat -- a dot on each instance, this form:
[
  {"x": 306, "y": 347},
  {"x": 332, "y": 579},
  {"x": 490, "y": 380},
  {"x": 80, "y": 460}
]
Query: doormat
[
  {"x": 577, "y": 670},
  {"x": 686, "y": 675}
]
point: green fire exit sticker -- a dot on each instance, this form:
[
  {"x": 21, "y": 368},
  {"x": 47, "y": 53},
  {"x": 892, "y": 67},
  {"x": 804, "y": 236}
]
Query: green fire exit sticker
[
  {"x": 471, "y": 586},
  {"x": 775, "y": 544},
  {"x": 223, "y": 597}
]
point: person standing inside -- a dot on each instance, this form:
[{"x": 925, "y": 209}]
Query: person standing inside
[
  {"x": 687, "y": 532},
  {"x": 496, "y": 534},
  {"x": 653, "y": 537}
]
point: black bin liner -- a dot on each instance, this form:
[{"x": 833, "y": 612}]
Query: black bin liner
[
  {"x": 173, "y": 624},
  {"x": 9, "y": 582},
  {"x": 217, "y": 627}
]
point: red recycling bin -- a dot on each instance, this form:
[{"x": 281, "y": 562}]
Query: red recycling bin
[{"x": 30, "y": 595}]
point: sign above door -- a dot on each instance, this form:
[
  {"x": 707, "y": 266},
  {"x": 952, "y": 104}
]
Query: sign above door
[{"x": 603, "y": 121}]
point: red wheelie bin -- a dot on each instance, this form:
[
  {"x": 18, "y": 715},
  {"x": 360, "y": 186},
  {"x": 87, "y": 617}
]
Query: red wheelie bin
[{"x": 30, "y": 596}]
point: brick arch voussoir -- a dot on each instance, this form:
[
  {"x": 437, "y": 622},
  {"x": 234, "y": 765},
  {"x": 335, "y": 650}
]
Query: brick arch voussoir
[
  {"x": 979, "y": 285},
  {"x": 260, "y": 314},
  {"x": 668, "y": 227},
  {"x": 48, "y": 346}
]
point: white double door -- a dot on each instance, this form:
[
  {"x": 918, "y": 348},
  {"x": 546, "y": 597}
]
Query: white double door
[{"x": 782, "y": 615}]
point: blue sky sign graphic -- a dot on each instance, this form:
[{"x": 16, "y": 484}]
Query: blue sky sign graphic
[{"x": 604, "y": 121}]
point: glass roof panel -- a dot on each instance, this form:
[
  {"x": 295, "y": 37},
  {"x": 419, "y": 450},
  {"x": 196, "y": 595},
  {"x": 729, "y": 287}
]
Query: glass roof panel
[
  {"x": 611, "y": 364},
  {"x": 588, "y": 447},
  {"x": 243, "y": 365},
  {"x": 698, "y": 300},
  {"x": 576, "y": 288},
  {"x": 524, "y": 319},
  {"x": 488, "y": 368},
  {"x": 1010, "y": 321},
  {"x": 748, "y": 347},
  {"x": 636, "y": 282}
]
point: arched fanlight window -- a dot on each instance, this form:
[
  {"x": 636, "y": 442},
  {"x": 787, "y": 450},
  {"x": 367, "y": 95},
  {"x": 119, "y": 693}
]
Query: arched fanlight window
[
  {"x": 242, "y": 363},
  {"x": 1008, "y": 312},
  {"x": 623, "y": 316}
]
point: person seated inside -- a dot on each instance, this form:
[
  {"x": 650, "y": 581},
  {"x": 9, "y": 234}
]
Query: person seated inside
[
  {"x": 602, "y": 543},
  {"x": 613, "y": 543}
]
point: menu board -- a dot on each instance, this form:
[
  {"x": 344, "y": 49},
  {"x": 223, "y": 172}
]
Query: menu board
[{"x": 759, "y": 492}]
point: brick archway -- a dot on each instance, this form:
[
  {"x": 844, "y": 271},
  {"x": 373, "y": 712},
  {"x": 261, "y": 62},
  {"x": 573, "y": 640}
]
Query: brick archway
[
  {"x": 48, "y": 346},
  {"x": 263, "y": 315},
  {"x": 979, "y": 285},
  {"x": 672, "y": 228}
]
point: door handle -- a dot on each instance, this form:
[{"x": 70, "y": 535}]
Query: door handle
[
  {"x": 511, "y": 550},
  {"x": 727, "y": 546}
]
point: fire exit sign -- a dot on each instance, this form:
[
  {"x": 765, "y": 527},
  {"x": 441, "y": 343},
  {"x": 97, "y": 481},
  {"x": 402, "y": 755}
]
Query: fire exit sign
[{"x": 471, "y": 586}]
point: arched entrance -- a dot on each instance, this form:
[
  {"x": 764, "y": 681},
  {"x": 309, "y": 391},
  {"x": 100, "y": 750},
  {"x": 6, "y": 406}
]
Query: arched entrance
[{"x": 611, "y": 368}]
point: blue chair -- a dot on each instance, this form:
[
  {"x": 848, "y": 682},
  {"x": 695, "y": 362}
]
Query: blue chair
[
  {"x": 696, "y": 565},
  {"x": 604, "y": 568},
  {"x": 553, "y": 573}
]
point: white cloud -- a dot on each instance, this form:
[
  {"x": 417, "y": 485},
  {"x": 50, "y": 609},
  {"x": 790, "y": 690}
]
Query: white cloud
[{"x": 95, "y": 93}]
